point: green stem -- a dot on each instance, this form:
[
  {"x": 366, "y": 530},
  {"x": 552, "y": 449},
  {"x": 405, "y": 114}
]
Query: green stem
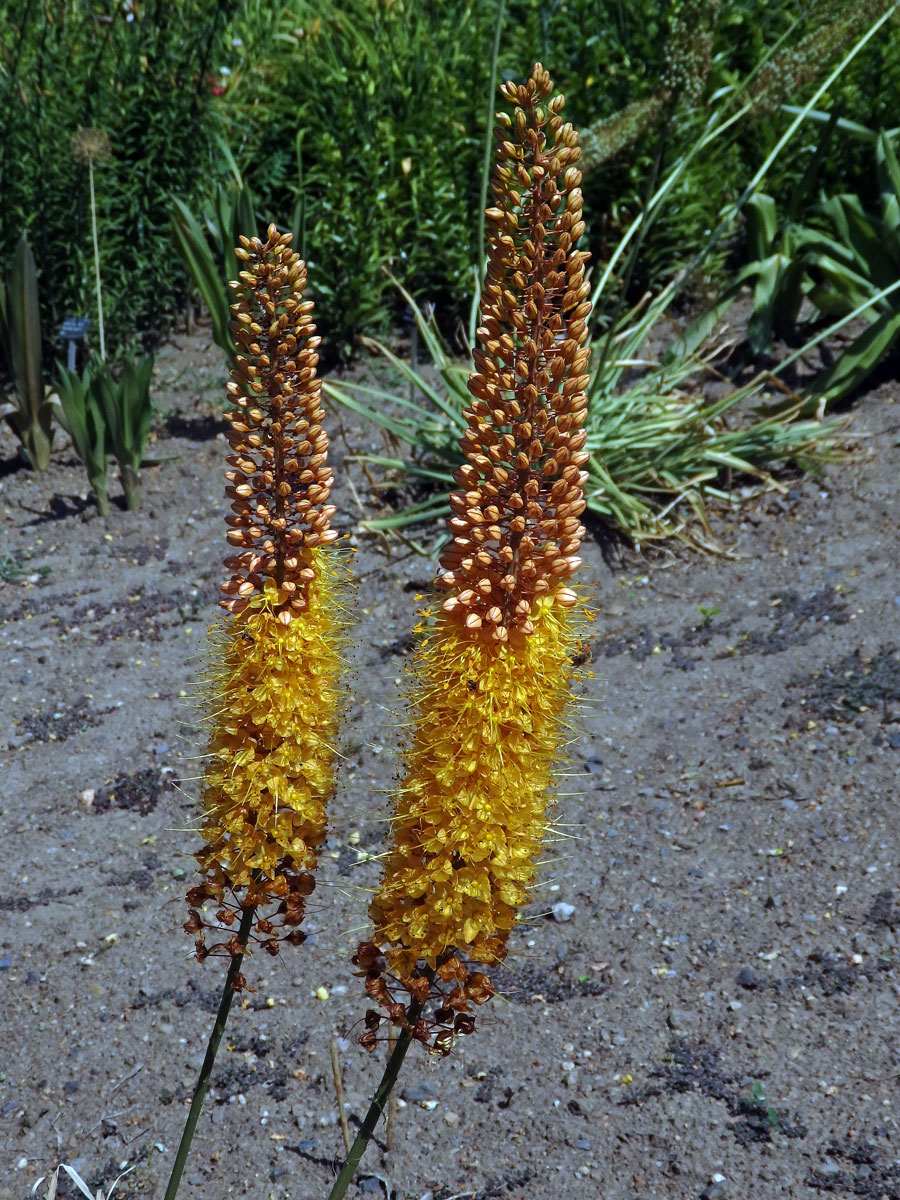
[
  {"x": 212, "y": 1048},
  {"x": 97, "y": 261},
  {"x": 131, "y": 485},
  {"x": 376, "y": 1108}
]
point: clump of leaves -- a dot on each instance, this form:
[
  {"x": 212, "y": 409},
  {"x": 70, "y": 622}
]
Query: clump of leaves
[
  {"x": 107, "y": 416},
  {"x": 846, "y": 260},
  {"x": 30, "y": 413},
  {"x": 658, "y": 449},
  {"x": 206, "y": 245}
]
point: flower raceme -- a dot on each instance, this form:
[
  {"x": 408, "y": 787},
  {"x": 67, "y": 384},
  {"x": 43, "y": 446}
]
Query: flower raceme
[
  {"x": 493, "y": 667},
  {"x": 277, "y": 683}
]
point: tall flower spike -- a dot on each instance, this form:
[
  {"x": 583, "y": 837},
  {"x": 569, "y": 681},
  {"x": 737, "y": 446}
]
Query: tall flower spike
[
  {"x": 493, "y": 668},
  {"x": 276, "y": 691}
]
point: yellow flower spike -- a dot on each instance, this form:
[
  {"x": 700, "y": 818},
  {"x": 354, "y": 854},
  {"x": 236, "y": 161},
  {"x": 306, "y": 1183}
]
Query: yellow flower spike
[
  {"x": 276, "y": 689},
  {"x": 494, "y": 664}
]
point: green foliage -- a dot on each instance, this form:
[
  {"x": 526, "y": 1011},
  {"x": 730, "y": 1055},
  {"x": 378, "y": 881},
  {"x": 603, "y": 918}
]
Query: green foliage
[
  {"x": 862, "y": 258},
  {"x": 759, "y": 1100},
  {"x": 127, "y": 412},
  {"x": 846, "y": 259},
  {"x": 138, "y": 72},
  {"x": 657, "y": 450},
  {"x": 776, "y": 270},
  {"x": 29, "y": 416},
  {"x": 360, "y": 127},
  {"x": 109, "y": 416},
  {"x": 82, "y": 418},
  {"x": 207, "y": 249}
]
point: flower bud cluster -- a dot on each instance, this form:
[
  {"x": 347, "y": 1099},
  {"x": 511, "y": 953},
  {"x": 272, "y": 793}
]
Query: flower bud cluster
[
  {"x": 279, "y": 482},
  {"x": 431, "y": 1004},
  {"x": 516, "y": 525}
]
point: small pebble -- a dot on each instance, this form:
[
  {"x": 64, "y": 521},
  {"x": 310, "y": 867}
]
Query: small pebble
[{"x": 562, "y": 911}]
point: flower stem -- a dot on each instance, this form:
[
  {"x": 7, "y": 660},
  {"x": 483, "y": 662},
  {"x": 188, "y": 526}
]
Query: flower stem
[
  {"x": 97, "y": 261},
  {"x": 376, "y": 1108},
  {"x": 212, "y": 1048}
]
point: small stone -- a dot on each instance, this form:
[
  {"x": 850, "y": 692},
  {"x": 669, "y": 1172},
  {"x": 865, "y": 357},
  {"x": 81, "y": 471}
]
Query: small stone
[
  {"x": 561, "y": 911},
  {"x": 894, "y": 739},
  {"x": 452, "y": 1119},
  {"x": 679, "y": 1020},
  {"x": 829, "y": 1169},
  {"x": 418, "y": 1093},
  {"x": 746, "y": 979},
  {"x": 713, "y": 1191},
  {"x": 716, "y": 1189},
  {"x": 371, "y": 1183},
  {"x": 582, "y": 1144}
]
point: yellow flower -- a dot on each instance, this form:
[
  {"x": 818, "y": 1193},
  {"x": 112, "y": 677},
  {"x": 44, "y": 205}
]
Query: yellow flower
[
  {"x": 276, "y": 690},
  {"x": 493, "y": 671},
  {"x": 271, "y": 751},
  {"x": 471, "y": 810}
]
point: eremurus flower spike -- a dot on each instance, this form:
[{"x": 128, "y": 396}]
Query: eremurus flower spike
[
  {"x": 276, "y": 687},
  {"x": 271, "y": 750},
  {"x": 493, "y": 665}
]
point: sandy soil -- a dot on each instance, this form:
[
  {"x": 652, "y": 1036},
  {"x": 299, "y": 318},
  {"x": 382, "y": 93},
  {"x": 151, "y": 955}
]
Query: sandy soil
[{"x": 716, "y": 1017}]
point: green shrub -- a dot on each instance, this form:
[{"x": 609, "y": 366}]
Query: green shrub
[
  {"x": 360, "y": 127},
  {"x": 846, "y": 259},
  {"x": 137, "y": 72}
]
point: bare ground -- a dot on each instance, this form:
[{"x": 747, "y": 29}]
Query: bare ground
[{"x": 718, "y": 1016}]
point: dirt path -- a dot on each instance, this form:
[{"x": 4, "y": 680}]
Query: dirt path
[{"x": 716, "y": 1017}]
